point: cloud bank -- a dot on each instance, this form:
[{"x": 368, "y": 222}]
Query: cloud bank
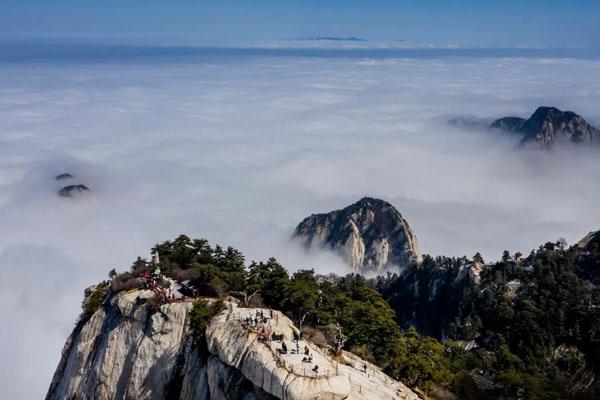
[{"x": 240, "y": 149}]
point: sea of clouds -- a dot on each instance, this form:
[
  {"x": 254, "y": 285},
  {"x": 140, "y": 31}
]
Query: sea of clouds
[{"x": 240, "y": 149}]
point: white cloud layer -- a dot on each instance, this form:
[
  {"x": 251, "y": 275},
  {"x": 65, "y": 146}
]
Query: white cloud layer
[{"x": 240, "y": 150}]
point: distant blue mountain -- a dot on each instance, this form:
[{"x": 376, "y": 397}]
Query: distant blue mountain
[{"x": 336, "y": 38}]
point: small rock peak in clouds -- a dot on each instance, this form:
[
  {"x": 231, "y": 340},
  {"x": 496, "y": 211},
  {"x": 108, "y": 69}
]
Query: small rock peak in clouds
[
  {"x": 370, "y": 235},
  {"x": 549, "y": 126},
  {"x": 73, "y": 190},
  {"x": 63, "y": 176}
]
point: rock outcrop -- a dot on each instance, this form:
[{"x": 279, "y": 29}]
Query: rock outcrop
[
  {"x": 370, "y": 235},
  {"x": 549, "y": 126},
  {"x": 129, "y": 350}
]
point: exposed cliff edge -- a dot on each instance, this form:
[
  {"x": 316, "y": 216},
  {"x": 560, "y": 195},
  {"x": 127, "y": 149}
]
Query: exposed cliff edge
[
  {"x": 370, "y": 235},
  {"x": 586, "y": 264},
  {"x": 549, "y": 126},
  {"x": 130, "y": 350},
  {"x": 590, "y": 241}
]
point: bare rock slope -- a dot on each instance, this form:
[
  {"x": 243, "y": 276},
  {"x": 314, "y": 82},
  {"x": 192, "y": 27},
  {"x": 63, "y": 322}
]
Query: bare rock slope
[
  {"x": 127, "y": 350},
  {"x": 370, "y": 235}
]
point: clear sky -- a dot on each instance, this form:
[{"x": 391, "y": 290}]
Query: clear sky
[{"x": 536, "y": 23}]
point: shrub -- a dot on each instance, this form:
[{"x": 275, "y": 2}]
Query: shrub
[
  {"x": 94, "y": 300},
  {"x": 314, "y": 335},
  {"x": 153, "y": 305},
  {"x": 126, "y": 281},
  {"x": 185, "y": 274},
  {"x": 363, "y": 352},
  {"x": 255, "y": 301},
  {"x": 200, "y": 316}
]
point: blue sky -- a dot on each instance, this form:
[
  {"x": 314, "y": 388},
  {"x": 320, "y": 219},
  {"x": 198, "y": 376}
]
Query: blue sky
[{"x": 556, "y": 23}]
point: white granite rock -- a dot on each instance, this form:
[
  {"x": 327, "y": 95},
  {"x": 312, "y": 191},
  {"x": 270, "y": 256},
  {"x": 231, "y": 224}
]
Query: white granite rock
[{"x": 126, "y": 351}]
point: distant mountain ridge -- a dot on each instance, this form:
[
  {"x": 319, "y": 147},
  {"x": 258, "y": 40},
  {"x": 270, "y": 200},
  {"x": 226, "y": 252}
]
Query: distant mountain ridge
[
  {"x": 549, "y": 126},
  {"x": 335, "y": 38},
  {"x": 370, "y": 235}
]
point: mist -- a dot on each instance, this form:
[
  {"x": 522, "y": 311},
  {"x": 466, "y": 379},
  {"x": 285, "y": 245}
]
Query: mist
[{"x": 239, "y": 150}]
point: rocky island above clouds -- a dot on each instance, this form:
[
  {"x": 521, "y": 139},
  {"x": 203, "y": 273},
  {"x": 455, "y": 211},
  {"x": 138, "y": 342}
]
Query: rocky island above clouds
[
  {"x": 370, "y": 235},
  {"x": 549, "y": 126},
  {"x": 71, "y": 189},
  {"x": 546, "y": 128}
]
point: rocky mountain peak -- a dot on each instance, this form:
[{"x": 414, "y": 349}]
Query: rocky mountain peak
[
  {"x": 548, "y": 126},
  {"x": 589, "y": 241},
  {"x": 370, "y": 235}
]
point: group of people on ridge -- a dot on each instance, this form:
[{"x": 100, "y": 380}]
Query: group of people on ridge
[{"x": 152, "y": 282}]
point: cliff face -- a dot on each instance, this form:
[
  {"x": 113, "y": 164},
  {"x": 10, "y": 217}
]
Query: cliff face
[
  {"x": 428, "y": 297},
  {"x": 125, "y": 351},
  {"x": 370, "y": 235},
  {"x": 549, "y": 126},
  {"x": 128, "y": 351}
]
